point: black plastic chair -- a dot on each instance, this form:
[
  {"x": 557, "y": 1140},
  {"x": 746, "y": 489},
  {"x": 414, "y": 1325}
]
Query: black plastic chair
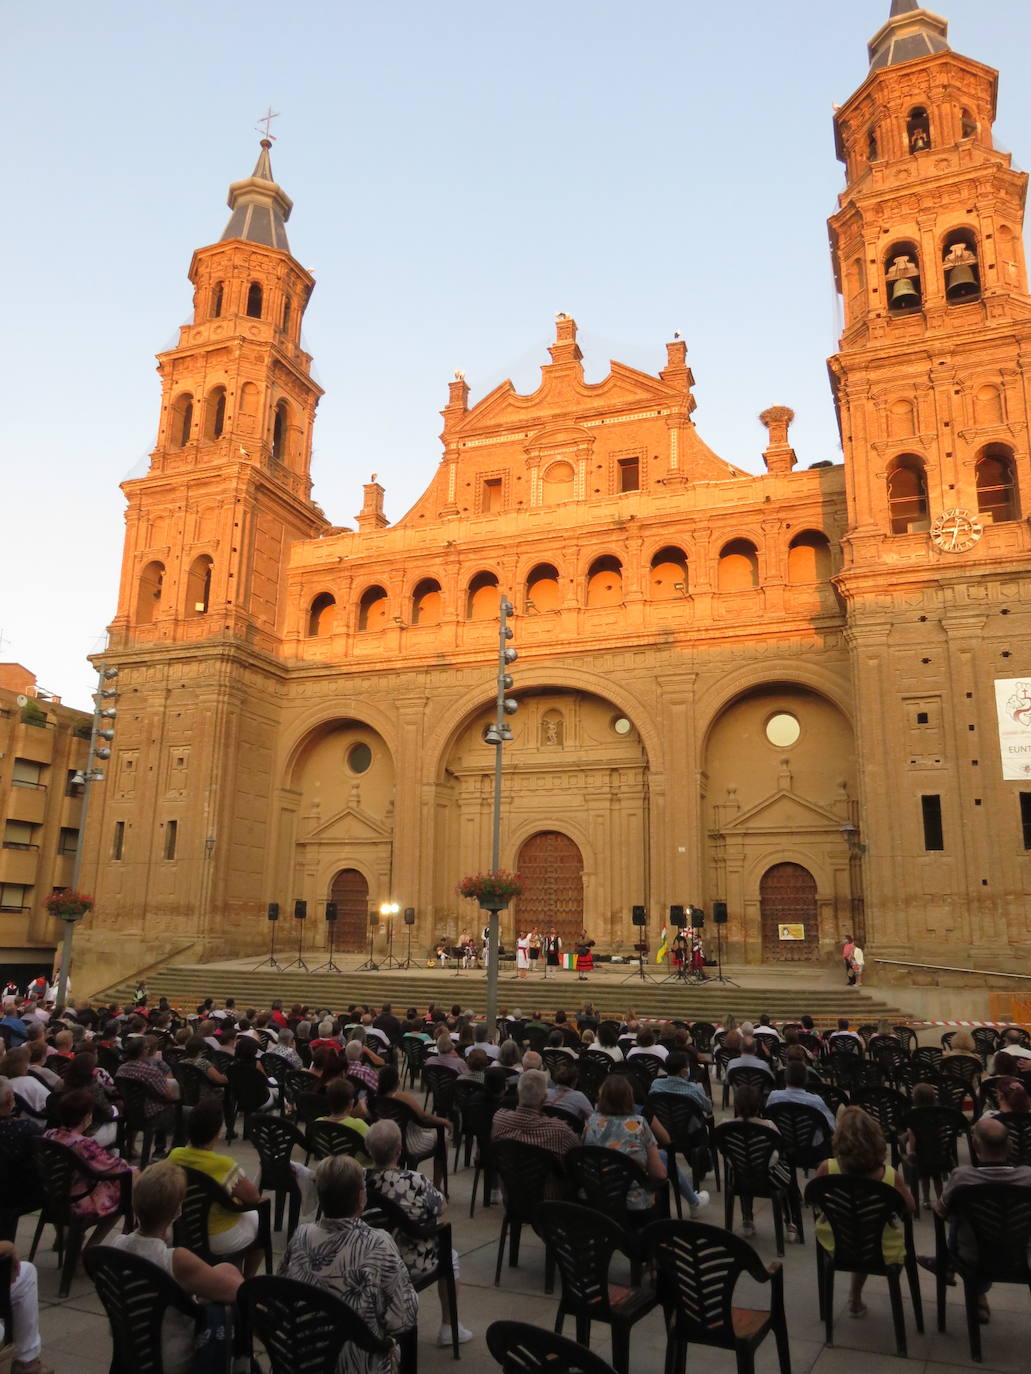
[
  {"x": 392, "y": 1109},
  {"x": 304, "y": 1330},
  {"x": 857, "y": 1210},
  {"x": 308, "y": 1107},
  {"x": 952, "y": 1091},
  {"x": 325, "y": 1138},
  {"x": 924, "y": 1062},
  {"x": 643, "y": 1069},
  {"x": 553, "y": 1058},
  {"x": 66, "y": 1180},
  {"x": 744, "y": 1076},
  {"x": 604, "y": 1178},
  {"x": 889, "y": 1109},
  {"x": 701, "y": 1035},
  {"x": 996, "y": 1220},
  {"x": 583, "y": 1242},
  {"x": 439, "y": 1083},
  {"x": 1018, "y": 1126},
  {"x": 135, "y": 1120},
  {"x": 194, "y": 1084},
  {"x": 831, "y": 1094},
  {"x": 414, "y": 1051},
  {"x": 191, "y": 1227},
  {"x": 936, "y": 1132},
  {"x": 137, "y": 1295},
  {"x": 749, "y": 1172},
  {"x": 697, "y": 1268},
  {"x": 964, "y": 1069},
  {"x": 593, "y": 1067},
  {"x": 690, "y": 1136},
  {"x": 522, "y": 1349},
  {"x": 526, "y": 1172},
  {"x": 248, "y": 1092},
  {"x": 386, "y": 1215},
  {"x": 986, "y": 1041},
  {"x": 275, "y": 1141},
  {"x": 296, "y": 1082}
]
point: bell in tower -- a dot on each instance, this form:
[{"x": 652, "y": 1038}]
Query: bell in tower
[
  {"x": 903, "y": 278},
  {"x": 961, "y": 273}
]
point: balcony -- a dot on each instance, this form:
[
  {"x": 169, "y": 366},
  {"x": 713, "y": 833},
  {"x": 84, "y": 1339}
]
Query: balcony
[
  {"x": 31, "y": 742},
  {"x": 27, "y": 802},
  {"x": 19, "y": 865}
]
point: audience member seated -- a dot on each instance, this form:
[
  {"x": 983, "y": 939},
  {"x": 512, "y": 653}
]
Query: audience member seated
[
  {"x": 229, "y": 1233},
  {"x": 1013, "y": 1097},
  {"x": 143, "y": 1064},
  {"x": 843, "y": 1030},
  {"x": 962, "y": 1047},
  {"x": 421, "y": 1135},
  {"x": 98, "y": 1202},
  {"x": 608, "y": 1042},
  {"x": 678, "y": 1082},
  {"x": 354, "y": 1066},
  {"x": 749, "y": 1057},
  {"x": 859, "y": 1150},
  {"x": 647, "y": 1043},
  {"x": 796, "y": 1079},
  {"x": 510, "y": 1056},
  {"x": 38, "y": 1051},
  {"x": 748, "y": 1106},
  {"x": 343, "y": 1255},
  {"x": 285, "y": 1048},
  {"x": 157, "y": 1198},
  {"x": 197, "y": 1057},
  {"x": 24, "y": 1190},
  {"x": 24, "y": 1298},
  {"x": 342, "y": 1109},
  {"x": 17, "y": 1030},
  {"x": 83, "y": 1073},
  {"x": 991, "y": 1145},
  {"x": 446, "y": 1056},
  {"x": 764, "y": 1028},
  {"x": 422, "y": 1204},
  {"x": 247, "y": 1052},
  {"x": 482, "y": 1041},
  {"x": 478, "y": 1064},
  {"x": 1010, "y": 1043},
  {"x": 563, "y": 1091},
  {"x": 527, "y": 1123},
  {"x": 617, "y": 1125},
  {"x": 29, "y": 1091}
]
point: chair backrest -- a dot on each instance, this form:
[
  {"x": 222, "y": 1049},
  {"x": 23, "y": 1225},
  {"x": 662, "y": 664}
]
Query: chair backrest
[
  {"x": 298, "y": 1081},
  {"x": 525, "y": 1171},
  {"x": 136, "y": 1295},
  {"x": 327, "y": 1138},
  {"x": 582, "y": 1241},
  {"x": 887, "y": 1107},
  {"x": 392, "y": 1109},
  {"x": 748, "y": 1148},
  {"x": 304, "y": 1329},
  {"x": 522, "y": 1349},
  {"x": 998, "y": 1220},
  {"x": 475, "y": 1108},
  {"x": 834, "y": 1096},
  {"x": 559, "y": 1113},
  {"x": 275, "y": 1140},
  {"x": 986, "y": 1040},
  {"x": 441, "y": 1083},
  {"x": 858, "y": 1209},
  {"x": 276, "y": 1065},
  {"x": 745, "y": 1076},
  {"x": 536, "y": 1038},
  {"x": 64, "y": 1177},
  {"x": 697, "y": 1267},
  {"x": 925, "y": 1061},
  {"x": 193, "y": 1083},
  {"x": 605, "y": 1178},
  {"x": 645, "y": 1068},
  {"x": 964, "y": 1067},
  {"x": 886, "y": 1048},
  {"x": 681, "y": 1116},
  {"x": 952, "y": 1089},
  {"x": 250, "y": 1086},
  {"x": 553, "y": 1058},
  {"x": 135, "y": 1095},
  {"x": 593, "y": 1067},
  {"x": 701, "y": 1035},
  {"x": 804, "y": 1133},
  {"x": 1018, "y": 1125},
  {"x": 308, "y": 1106},
  {"x": 842, "y": 1043},
  {"x": 936, "y": 1131},
  {"x": 190, "y": 1229}
]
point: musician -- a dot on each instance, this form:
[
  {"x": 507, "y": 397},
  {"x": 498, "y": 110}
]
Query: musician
[
  {"x": 468, "y": 947},
  {"x": 698, "y": 959},
  {"x": 553, "y": 949},
  {"x": 442, "y": 954},
  {"x": 485, "y": 954},
  {"x": 584, "y": 958},
  {"x": 680, "y": 952},
  {"x": 534, "y": 950}
]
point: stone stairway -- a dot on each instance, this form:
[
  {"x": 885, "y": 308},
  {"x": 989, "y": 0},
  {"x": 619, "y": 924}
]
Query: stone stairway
[{"x": 783, "y": 995}]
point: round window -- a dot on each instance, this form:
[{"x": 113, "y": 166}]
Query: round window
[
  {"x": 783, "y": 729},
  {"x": 621, "y": 725},
  {"x": 359, "y": 758}
]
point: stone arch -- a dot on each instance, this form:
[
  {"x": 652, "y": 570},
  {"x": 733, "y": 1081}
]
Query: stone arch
[
  {"x": 321, "y": 720},
  {"x": 712, "y": 703}
]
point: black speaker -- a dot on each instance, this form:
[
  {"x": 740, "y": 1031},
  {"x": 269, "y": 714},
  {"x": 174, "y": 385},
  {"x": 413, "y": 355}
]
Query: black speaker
[
  {"x": 697, "y": 917},
  {"x": 331, "y": 911},
  {"x": 273, "y": 911},
  {"x": 719, "y": 913},
  {"x": 409, "y": 915},
  {"x": 639, "y": 916},
  {"x": 373, "y": 918},
  {"x": 300, "y": 910},
  {"x": 677, "y": 917}
]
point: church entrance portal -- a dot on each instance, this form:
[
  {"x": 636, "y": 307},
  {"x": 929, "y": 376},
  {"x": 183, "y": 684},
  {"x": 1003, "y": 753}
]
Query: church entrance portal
[
  {"x": 787, "y": 905},
  {"x": 350, "y": 891},
  {"x": 551, "y": 867}
]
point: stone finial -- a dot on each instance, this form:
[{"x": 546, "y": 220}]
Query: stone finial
[
  {"x": 371, "y": 516},
  {"x": 457, "y": 407},
  {"x": 779, "y": 455},
  {"x": 565, "y": 348}
]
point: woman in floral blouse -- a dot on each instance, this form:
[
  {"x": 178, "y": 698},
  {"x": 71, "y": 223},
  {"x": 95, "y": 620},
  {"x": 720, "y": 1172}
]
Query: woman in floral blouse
[
  {"x": 616, "y": 1126},
  {"x": 100, "y": 1203},
  {"x": 421, "y": 1203}
]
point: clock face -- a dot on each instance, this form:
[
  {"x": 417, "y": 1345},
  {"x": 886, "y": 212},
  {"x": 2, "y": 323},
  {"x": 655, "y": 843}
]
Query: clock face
[{"x": 955, "y": 530}]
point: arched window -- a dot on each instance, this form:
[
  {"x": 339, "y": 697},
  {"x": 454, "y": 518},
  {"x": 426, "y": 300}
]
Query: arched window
[
  {"x": 542, "y": 590},
  {"x": 960, "y": 266},
  {"x": 148, "y": 593},
  {"x": 605, "y": 582},
  {"x": 902, "y": 277},
  {"x": 900, "y": 419},
  {"x": 988, "y": 409},
  {"x": 996, "y": 475},
  {"x": 558, "y": 482},
  {"x": 738, "y": 569},
  {"x": 918, "y": 130},
  {"x": 372, "y": 609},
  {"x": 286, "y": 316},
  {"x": 426, "y": 602},
  {"x": 182, "y": 420},
  {"x": 321, "y": 615},
  {"x": 669, "y": 574},
  {"x": 198, "y": 586},
  {"x": 809, "y": 557},
  {"x": 907, "y": 495},
  {"x": 218, "y": 293},
  {"x": 281, "y": 432},
  {"x": 483, "y": 598},
  {"x": 254, "y": 300},
  {"x": 215, "y": 413}
]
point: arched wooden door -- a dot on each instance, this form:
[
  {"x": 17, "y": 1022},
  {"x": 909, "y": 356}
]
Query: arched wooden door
[
  {"x": 787, "y": 906},
  {"x": 551, "y": 867},
  {"x": 350, "y": 890}
]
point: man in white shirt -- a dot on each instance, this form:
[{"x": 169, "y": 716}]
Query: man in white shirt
[
  {"x": 764, "y": 1028},
  {"x": 647, "y": 1044}
]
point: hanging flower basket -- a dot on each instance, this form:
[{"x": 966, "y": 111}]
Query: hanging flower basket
[
  {"x": 493, "y": 891},
  {"x": 68, "y": 905}
]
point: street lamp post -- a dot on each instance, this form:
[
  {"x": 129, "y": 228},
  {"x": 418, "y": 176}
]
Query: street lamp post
[{"x": 497, "y": 734}]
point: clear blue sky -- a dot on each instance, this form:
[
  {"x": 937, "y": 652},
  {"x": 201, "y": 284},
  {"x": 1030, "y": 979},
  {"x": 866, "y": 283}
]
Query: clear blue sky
[{"x": 459, "y": 173}]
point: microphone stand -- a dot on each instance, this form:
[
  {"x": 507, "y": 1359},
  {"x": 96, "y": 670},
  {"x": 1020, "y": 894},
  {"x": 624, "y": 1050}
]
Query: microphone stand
[
  {"x": 329, "y": 964},
  {"x": 300, "y": 949},
  {"x": 270, "y": 962}
]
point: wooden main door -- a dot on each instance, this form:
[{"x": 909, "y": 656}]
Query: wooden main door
[
  {"x": 350, "y": 891},
  {"x": 787, "y": 906},
  {"x": 551, "y": 867}
]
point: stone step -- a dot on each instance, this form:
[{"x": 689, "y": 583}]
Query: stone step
[{"x": 783, "y": 998}]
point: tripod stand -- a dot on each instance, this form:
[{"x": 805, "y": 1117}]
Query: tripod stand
[
  {"x": 299, "y": 961},
  {"x": 640, "y": 973},
  {"x": 719, "y": 960},
  {"x": 369, "y": 966},
  {"x": 390, "y": 961},
  {"x": 406, "y": 962},
  {"x": 271, "y": 961},
  {"x": 329, "y": 964}
]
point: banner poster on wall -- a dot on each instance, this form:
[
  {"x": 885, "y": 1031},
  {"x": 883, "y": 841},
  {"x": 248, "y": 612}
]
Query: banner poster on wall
[{"x": 1013, "y": 707}]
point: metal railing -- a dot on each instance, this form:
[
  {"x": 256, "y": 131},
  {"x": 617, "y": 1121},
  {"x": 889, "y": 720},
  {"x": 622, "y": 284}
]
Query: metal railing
[{"x": 950, "y": 968}]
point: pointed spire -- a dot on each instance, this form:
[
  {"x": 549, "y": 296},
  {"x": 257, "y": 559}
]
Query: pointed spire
[
  {"x": 911, "y": 32},
  {"x": 260, "y": 206}
]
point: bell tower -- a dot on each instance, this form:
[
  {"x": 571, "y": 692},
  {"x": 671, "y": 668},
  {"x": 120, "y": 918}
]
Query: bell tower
[
  {"x": 931, "y": 387},
  {"x": 229, "y": 487}
]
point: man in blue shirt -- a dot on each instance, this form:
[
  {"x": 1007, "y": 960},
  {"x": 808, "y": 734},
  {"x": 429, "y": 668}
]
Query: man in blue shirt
[
  {"x": 796, "y": 1076},
  {"x": 19, "y": 1031},
  {"x": 678, "y": 1081}
]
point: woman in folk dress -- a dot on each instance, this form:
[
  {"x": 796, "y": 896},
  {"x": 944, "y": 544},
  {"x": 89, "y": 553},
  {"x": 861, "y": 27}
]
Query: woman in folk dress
[
  {"x": 535, "y": 951},
  {"x": 584, "y": 959},
  {"x": 523, "y": 954}
]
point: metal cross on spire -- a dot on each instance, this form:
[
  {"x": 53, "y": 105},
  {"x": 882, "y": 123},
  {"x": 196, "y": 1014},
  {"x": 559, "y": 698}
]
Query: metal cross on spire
[{"x": 267, "y": 119}]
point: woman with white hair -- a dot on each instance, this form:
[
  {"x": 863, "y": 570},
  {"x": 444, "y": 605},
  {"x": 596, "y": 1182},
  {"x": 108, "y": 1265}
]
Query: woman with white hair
[{"x": 421, "y": 1203}]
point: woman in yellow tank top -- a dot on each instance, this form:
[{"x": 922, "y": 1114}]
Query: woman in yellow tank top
[{"x": 859, "y": 1149}]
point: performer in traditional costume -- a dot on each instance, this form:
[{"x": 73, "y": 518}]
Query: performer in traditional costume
[
  {"x": 523, "y": 954},
  {"x": 553, "y": 949},
  {"x": 584, "y": 958},
  {"x": 698, "y": 959},
  {"x": 534, "y": 951}
]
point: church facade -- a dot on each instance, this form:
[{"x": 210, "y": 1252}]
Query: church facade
[{"x": 772, "y": 691}]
